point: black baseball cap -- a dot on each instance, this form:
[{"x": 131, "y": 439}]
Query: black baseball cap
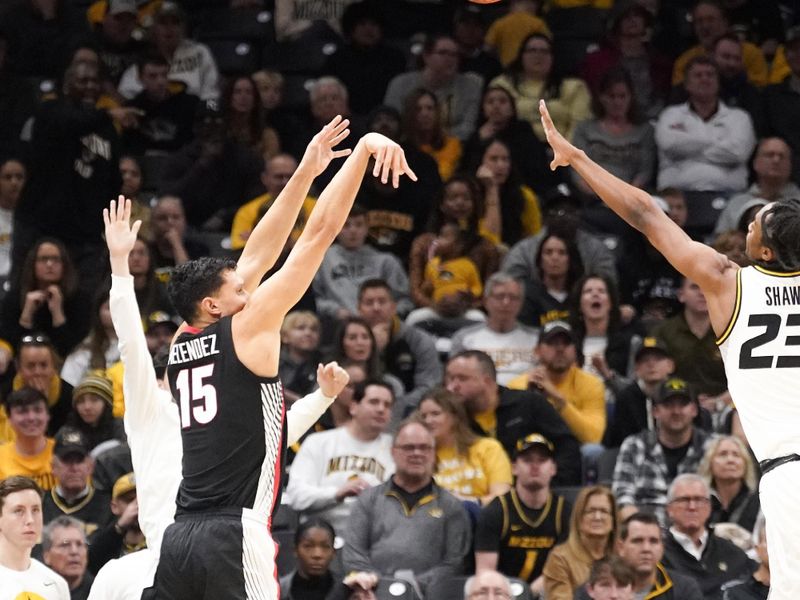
[
  {"x": 533, "y": 440},
  {"x": 651, "y": 345},
  {"x": 672, "y": 388},
  {"x": 554, "y": 328},
  {"x": 71, "y": 442}
]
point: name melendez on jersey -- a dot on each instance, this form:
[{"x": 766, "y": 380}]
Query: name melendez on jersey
[{"x": 199, "y": 347}]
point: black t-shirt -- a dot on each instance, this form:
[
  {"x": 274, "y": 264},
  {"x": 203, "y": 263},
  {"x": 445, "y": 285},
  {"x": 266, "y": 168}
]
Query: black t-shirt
[{"x": 673, "y": 456}]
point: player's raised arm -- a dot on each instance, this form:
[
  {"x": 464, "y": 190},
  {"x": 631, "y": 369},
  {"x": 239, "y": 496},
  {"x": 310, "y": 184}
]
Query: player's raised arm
[
  {"x": 273, "y": 298},
  {"x": 269, "y": 235},
  {"x": 697, "y": 261}
]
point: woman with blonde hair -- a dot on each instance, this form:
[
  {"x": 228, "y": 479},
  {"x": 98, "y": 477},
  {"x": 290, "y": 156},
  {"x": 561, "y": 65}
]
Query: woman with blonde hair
[
  {"x": 300, "y": 335},
  {"x": 730, "y": 472},
  {"x": 473, "y": 468},
  {"x": 592, "y": 531}
]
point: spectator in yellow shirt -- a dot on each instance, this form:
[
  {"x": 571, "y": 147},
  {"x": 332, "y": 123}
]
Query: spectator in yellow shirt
[
  {"x": 473, "y": 468},
  {"x": 507, "y": 33},
  {"x": 710, "y": 23},
  {"x": 30, "y": 454},
  {"x": 578, "y": 396},
  {"x": 275, "y": 177}
]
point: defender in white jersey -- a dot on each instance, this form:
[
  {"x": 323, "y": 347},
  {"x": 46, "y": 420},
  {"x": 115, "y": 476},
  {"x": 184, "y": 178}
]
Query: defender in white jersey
[{"x": 755, "y": 313}]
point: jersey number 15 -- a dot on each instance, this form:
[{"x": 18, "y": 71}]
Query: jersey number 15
[
  {"x": 772, "y": 323},
  {"x": 192, "y": 388}
]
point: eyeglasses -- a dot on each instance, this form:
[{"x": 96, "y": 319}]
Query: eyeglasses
[
  {"x": 687, "y": 500},
  {"x": 409, "y": 448},
  {"x": 486, "y": 592},
  {"x": 36, "y": 339},
  {"x": 603, "y": 512}
]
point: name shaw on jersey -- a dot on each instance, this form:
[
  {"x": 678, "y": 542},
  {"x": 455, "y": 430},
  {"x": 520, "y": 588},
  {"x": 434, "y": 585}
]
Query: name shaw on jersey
[
  {"x": 782, "y": 296},
  {"x": 199, "y": 347}
]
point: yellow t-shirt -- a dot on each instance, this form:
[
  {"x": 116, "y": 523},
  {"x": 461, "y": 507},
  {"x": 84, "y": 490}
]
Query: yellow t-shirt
[
  {"x": 115, "y": 373},
  {"x": 53, "y": 393},
  {"x": 446, "y": 157},
  {"x": 246, "y": 217},
  {"x": 507, "y": 33},
  {"x": 780, "y": 66},
  {"x": 453, "y": 276},
  {"x": 38, "y": 467},
  {"x": 585, "y": 411},
  {"x": 486, "y": 463},
  {"x": 753, "y": 59}
]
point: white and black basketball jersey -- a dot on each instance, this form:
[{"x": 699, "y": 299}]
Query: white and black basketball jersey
[
  {"x": 761, "y": 351},
  {"x": 232, "y": 425}
]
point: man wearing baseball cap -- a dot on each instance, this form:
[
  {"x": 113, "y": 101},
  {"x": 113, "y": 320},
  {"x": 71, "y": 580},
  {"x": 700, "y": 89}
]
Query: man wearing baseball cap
[
  {"x": 633, "y": 410},
  {"x": 648, "y": 461},
  {"x": 74, "y": 494},
  {"x": 528, "y": 516}
]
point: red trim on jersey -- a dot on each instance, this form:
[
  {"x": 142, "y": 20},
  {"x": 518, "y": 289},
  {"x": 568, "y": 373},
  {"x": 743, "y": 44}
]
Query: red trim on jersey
[
  {"x": 277, "y": 475},
  {"x": 193, "y": 330}
]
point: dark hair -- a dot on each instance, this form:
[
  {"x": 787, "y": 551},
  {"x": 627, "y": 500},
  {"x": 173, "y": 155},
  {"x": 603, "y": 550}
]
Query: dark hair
[
  {"x": 512, "y": 201},
  {"x": 372, "y": 284},
  {"x": 98, "y": 342},
  {"x": 357, "y": 210},
  {"x": 575, "y": 269},
  {"x": 638, "y": 517},
  {"x": 251, "y": 136},
  {"x": 700, "y": 59},
  {"x": 313, "y": 523},
  {"x": 69, "y": 277},
  {"x": 194, "y": 280},
  {"x": 151, "y": 58},
  {"x": 409, "y": 123},
  {"x": 509, "y": 95},
  {"x": 552, "y": 84},
  {"x": 476, "y": 193},
  {"x": 432, "y": 40},
  {"x": 24, "y": 396},
  {"x": 728, "y": 36},
  {"x": 574, "y": 302},
  {"x": 713, "y": 3},
  {"x": 360, "y": 389},
  {"x": 373, "y": 362},
  {"x": 485, "y": 361},
  {"x": 16, "y": 483},
  {"x": 611, "y": 567},
  {"x": 780, "y": 232},
  {"x": 358, "y": 12},
  {"x": 612, "y": 77},
  {"x": 632, "y": 10},
  {"x": 95, "y": 434}
]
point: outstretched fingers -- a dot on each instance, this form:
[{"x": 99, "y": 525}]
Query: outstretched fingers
[{"x": 379, "y": 158}]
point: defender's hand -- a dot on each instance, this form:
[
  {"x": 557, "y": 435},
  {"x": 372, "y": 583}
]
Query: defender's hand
[
  {"x": 562, "y": 149},
  {"x": 389, "y": 158}
]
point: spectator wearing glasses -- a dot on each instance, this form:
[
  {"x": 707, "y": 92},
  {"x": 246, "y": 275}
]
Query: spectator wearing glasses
[
  {"x": 459, "y": 94},
  {"x": 692, "y": 549},
  {"x": 66, "y": 552},
  {"x": 487, "y": 584},
  {"x": 592, "y": 530},
  {"x": 409, "y": 522},
  {"x": 47, "y": 300}
]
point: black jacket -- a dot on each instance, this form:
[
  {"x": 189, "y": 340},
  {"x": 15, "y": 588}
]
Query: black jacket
[
  {"x": 522, "y": 412},
  {"x": 722, "y": 561}
]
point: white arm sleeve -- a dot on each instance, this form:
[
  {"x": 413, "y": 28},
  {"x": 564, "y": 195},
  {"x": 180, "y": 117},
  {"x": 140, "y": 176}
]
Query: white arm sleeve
[{"x": 304, "y": 413}]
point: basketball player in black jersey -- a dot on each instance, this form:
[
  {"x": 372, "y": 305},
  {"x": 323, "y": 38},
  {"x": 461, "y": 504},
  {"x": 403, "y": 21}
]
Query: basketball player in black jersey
[
  {"x": 517, "y": 530},
  {"x": 223, "y": 374}
]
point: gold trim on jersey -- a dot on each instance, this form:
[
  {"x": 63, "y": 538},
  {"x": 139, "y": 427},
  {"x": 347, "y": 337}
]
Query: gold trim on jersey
[
  {"x": 68, "y": 510},
  {"x": 521, "y": 510},
  {"x": 736, "y": 308},
  {"x": 776, "y": 273}
]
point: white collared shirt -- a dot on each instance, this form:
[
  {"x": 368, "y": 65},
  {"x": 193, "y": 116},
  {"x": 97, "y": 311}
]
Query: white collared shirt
[{"x": 688, "y": 543}]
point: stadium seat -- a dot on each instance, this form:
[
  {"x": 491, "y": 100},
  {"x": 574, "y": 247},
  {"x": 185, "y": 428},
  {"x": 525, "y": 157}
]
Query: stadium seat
[
  {"x": 235, "y": 56},
  {"x": 243, "y": 24},
  {"x": 395, "y": 589},
  {"x": 454, "y": 589},
  {"x": 570, "y": 492},
  {"x": 605, "y": 466}
]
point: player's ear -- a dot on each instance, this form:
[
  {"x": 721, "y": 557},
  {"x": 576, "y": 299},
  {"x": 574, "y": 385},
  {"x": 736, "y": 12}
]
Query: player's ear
[
  {"x": 766, "y": 254},
  {"x": 211, "y": 306}
]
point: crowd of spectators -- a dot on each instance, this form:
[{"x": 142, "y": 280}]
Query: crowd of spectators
[{"x": 534, "y": 390}]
